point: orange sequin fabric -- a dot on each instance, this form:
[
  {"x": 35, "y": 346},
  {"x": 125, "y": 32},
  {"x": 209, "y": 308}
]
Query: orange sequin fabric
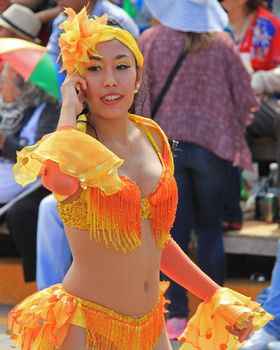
[{"x": 115, "y": 219}]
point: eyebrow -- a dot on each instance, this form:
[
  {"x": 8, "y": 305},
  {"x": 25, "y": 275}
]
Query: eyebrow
[
  {"x": 122, "y": 56},
  {"x": 99, "y": 58},
  {"x": 96, "y": 58}
]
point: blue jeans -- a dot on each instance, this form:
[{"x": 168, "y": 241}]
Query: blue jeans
[
  {"x": 231, "y": 209},
  {"x": 201, "y": 178},
  {"x": 53, "y": 253},
  {"x": 270, "y": 299}
]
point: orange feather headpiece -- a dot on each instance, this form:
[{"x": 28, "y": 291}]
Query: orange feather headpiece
[{"x": 82, "y": 34}]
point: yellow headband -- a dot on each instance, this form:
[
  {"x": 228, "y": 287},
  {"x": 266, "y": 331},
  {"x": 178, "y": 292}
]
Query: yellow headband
[{"x": 82, "y": 34}]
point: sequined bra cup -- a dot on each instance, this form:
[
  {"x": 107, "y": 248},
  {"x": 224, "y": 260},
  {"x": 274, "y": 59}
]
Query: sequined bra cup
[{"x": 116, "y": 219}]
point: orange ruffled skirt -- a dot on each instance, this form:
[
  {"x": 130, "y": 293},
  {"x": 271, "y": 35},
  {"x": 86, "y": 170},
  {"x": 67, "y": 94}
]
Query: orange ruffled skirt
[{"x": 42, "y": 321}]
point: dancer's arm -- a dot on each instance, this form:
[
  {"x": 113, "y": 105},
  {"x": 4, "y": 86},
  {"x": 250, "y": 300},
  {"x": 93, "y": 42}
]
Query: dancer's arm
[
  {"x": 242, "y": 314},
  {"x": 72, "y": 103},
  {"x": 180, "y": 268}
]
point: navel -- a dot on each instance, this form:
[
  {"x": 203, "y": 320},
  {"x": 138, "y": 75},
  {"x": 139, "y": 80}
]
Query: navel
[{"x": 146, "y": 286}]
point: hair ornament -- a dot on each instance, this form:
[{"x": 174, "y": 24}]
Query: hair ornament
[{"x": 82, "y": 34}]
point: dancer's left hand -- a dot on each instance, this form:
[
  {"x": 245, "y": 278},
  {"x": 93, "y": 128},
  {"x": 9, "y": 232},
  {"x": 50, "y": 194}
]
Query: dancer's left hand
[{"x": 242, "y": 334}]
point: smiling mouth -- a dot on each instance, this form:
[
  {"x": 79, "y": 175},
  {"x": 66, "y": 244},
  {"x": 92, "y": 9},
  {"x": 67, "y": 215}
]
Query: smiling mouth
[{"x": 111, "y": 99}]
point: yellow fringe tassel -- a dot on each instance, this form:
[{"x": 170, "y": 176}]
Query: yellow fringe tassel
[
  {"x": 115, "y": 219},
  {"x": 107, "y": 329},
  {"x": 42, "y": 321},
  {"x": 163, "y": 205}
]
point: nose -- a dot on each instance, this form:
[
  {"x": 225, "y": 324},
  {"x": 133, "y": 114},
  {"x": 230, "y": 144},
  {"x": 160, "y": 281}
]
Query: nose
[{"x": 109, "y": 78}]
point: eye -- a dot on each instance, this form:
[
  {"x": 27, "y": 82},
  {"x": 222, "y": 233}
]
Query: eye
[
  {"x": 94, "y": 68},
  {"x": 123, "y": 66}
]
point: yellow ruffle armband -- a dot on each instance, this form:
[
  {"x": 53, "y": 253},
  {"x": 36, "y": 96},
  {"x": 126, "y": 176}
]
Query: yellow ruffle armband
[
  {"x": 78, "y": 155},
  {"x": 207, "y": 328}
]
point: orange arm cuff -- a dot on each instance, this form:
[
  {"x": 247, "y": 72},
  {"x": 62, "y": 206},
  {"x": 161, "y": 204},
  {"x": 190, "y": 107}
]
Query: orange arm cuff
[{"x": 180, "y": 268}]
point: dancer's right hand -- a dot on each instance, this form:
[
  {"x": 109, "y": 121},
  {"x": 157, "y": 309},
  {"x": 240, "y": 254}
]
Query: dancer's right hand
[{"x": 73, "y": 92}]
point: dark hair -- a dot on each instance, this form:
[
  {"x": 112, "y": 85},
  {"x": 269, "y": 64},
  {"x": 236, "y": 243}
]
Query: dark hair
[
  {"x": 113, "y": 23},
  {"x": 254, "y": 5}
]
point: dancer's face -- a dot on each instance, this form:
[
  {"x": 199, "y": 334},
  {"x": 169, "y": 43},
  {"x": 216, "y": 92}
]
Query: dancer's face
[{"x": 112, "y": 77}]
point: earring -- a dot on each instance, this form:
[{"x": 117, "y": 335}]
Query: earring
[{"x": 137, "y": 87}]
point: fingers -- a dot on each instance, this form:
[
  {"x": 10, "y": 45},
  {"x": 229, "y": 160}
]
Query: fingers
[
  {"x": 242, "y": 334},
  {"x": 81, "y": 96},
  {"x": 78, "y": 82},
  {"x": 73, "y": 92},
  {"x": 246, "y": 331}
]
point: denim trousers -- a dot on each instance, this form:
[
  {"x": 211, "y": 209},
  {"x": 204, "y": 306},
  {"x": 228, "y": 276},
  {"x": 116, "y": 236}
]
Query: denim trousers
[
  {"x": 270, "y": 299},
  {"x": 53, "y": 253},
  {"x": 231, "y": 209},
  {"x": 201, "y": 178}
]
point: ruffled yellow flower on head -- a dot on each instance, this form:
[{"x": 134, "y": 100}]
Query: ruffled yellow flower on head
[{"x": 82, "y": 34}]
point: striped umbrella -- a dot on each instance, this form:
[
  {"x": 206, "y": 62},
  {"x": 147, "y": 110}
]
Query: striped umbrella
[{"x": 32, "y": 62}]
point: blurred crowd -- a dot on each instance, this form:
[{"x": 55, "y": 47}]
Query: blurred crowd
[{"x": 215, "y": 92}]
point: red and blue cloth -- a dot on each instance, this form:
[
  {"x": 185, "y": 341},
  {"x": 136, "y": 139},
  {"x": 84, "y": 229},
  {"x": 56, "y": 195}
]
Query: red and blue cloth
[{"x": 262, "y": 41}]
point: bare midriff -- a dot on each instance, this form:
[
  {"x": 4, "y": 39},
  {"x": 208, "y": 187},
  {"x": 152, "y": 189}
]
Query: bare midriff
[{"x": 127, "y": 283}]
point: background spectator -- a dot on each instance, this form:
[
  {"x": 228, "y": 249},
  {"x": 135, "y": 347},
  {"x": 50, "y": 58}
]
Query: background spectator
[
  {"x": 27, "y": 113},
  {"x": 139, "y": 11},
  {"x": 17, "y": 14},
  {"x": 270, "y": 300},
  {"x": 20, "y": 22},
  {"x": 257, "y": 34},
  {"x": 35, "y": 5}
]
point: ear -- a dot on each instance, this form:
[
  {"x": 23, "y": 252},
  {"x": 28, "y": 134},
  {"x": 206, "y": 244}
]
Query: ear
[{"x": 138, "y": 79}]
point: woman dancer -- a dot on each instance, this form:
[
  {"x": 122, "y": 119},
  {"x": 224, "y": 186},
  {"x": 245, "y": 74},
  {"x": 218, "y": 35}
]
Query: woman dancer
[{"x": 117, "y": 214}]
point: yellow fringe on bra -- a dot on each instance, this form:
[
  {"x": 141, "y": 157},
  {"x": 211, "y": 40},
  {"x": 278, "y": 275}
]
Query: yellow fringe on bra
[
  {"x": 163, "y": 206},
  {"x": 115, "y": 219}
]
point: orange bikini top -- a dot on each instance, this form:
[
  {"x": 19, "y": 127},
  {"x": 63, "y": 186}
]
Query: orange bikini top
[{"x": 112, "y": 212}]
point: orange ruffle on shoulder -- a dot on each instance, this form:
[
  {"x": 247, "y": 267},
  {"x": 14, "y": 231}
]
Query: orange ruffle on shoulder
[
  {"x": 42, "y": 320},
  {"x": 207, "y": 328},
  {"x": 77, "y": 154}
]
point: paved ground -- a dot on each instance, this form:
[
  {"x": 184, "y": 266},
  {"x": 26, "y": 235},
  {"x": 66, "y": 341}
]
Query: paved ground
[{"x": 5, "y": 343}]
